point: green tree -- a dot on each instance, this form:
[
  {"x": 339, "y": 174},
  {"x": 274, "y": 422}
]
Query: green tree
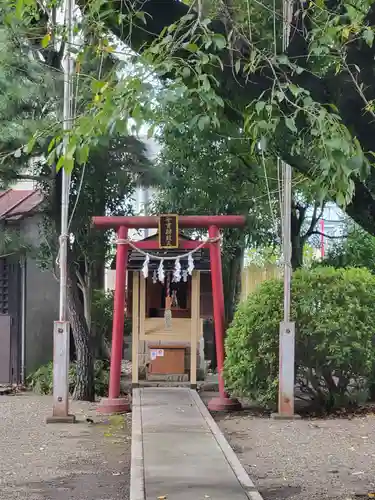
[
  {"x": 104, "y": 187},
  {"x": 313, "y": 103},
  {"x": 27, "y": 94},
  {"x": 306, "y": 212},
  {"x": 212, "y": 172},
  {"x": 355, "y": 249},
  {"x": 215, "y": 171},
  {"x": 30, "y": 101},
  {"x": 24, "y": 91}
]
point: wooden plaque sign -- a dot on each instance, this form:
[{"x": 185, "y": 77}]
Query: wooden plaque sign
[{"x": 168, "y": 231}]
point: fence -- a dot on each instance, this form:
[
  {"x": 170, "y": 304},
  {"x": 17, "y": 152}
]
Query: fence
[{"x": 253, "y": 275}]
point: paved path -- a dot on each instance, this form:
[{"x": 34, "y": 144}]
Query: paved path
[{"x": 179, "y": 453}]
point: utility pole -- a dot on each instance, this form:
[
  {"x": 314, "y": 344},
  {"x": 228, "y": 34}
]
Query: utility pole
[
  {"x": 145, "y": 199},
  {"x": 61, "y": 330},
  {"x": 287, "y": 327}
]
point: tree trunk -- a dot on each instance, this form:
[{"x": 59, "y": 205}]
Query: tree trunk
[
  {"x": 85, "y": 386},
  {"x": 297, "y": 251},
  {"x": 372, "y": 380},
  {"x": 87, "y": 300},
  {"x": 232, "y": 268},
  {"x": 297, "y": 218}
]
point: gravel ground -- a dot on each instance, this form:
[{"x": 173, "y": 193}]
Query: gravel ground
[
  {"x": 79, "y": 461},
  {"x": 305, "y": 459}
]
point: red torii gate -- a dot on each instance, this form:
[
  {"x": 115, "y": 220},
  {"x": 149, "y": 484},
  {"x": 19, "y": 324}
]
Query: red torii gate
[{"x": 115, "y": 404}]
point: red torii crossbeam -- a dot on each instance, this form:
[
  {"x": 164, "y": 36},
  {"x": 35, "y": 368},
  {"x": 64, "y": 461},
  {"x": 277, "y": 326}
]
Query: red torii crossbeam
[{"x": 115, "y": 404}]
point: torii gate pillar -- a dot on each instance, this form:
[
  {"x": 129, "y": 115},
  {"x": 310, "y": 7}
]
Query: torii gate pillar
[
  {"x": 115, "y": 404},
  {"x": 223, "y": 402}
]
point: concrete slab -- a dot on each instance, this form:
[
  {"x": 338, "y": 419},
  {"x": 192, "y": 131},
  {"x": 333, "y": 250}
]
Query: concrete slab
[{"x": 179, "y": 453}]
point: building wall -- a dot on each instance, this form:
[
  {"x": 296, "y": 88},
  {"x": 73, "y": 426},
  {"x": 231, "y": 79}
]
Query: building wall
[{"x": 42, "y": 303}]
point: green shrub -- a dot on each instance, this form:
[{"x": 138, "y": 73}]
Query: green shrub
[
  {"x": 335, "y": 323},
  {"x": 41, "y": 381},
  {"x": 102, "y": 314}
]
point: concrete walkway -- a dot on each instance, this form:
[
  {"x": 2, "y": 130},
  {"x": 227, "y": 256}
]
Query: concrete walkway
[{"x": 179, "y": 453}]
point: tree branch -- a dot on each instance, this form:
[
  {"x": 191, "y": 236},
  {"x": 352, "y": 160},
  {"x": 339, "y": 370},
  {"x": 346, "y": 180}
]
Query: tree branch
[
  {"x": 314, "y": 220},
  {"x": 81, "y": 281},
  {"x": 329, "y": 236}
]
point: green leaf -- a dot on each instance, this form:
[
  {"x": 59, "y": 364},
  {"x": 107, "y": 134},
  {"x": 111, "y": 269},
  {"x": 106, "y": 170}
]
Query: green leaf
[
  {"x": 356, "y": 162},
  {"x": 325, "y": 166},
  {"x": 334, "y": 143},
  {"x": 340, "y": 199},
  {"x": 60, "y": 163},
  {"x": 98, "y": 86},
  {"x": 194, "y": 121},
  {"x": 206, "y": 22},
  {"x": 188, "y": 17},
  {"x": 218, "y": 100},
  {"x": 307, "y": 102},
  {"x": 204, "y": 58},
  {"x": 203, "y": 121},
  {"x": 186, "y": 72},
  {"x": 192, "y": 47},
  {"x": 31, "y": 144},
  {"x": 219, "y": 41},
  {"x": 51, "y": 144},
  {"x": 290, "y": 123},
  {"x": 368, "y": 36},
  {"x": 170, "y": 29},
  {"x": 82, "y": 154},
  {"x": 263, "y": 125},
  {"x": 237, "y": 66},
  {"x": 294, "y": 89},
  {"x": 205, "y": 82},
  {"x": 283, "y": 59},
  {"x": 19, "y": 8},
  {"x": 263, "y": 143},
  {"x": 334, "y": 107},
  {"x": 51, "y": 157},
  {"x": 45, "y": 40},
  {"x": 141, "y": 15},
  {"x": 150, "y": 132},
  {"x": 68, "y": 165},
  {"x": 345, "y": 32},
  {"x": 280, "y": 95},
  {"x": 259, "y": 106}
]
